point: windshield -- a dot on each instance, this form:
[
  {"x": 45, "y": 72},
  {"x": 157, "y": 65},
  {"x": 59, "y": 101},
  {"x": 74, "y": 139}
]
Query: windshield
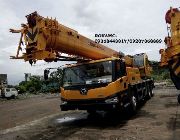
[
  {"x": 94, "y": 73},
  {"x": 7, "y": 90},
  {"x": 13, "y": 89}
]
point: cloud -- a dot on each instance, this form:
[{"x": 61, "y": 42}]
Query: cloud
[{"x": 127, "y": 19}]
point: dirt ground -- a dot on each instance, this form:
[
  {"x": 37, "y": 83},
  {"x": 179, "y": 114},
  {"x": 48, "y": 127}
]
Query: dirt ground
[{"x": 41, "y": 119}]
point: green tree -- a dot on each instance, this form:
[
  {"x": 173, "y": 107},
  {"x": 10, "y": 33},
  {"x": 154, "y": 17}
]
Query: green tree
[
  {"x": 159, "y": 73},
  {"x": 33, "y": 85}
]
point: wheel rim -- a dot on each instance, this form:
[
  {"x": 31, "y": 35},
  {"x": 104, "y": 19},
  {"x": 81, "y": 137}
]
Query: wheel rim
[
  {"x": 149, "y": 92},
  {"x": 134, "y": 102},
  {"x": 152, "y": 92}
]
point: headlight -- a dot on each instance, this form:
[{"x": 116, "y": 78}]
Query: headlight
[{"x": 112, "y": 100}]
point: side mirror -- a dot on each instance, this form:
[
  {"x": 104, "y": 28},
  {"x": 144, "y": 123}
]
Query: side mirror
[
  {"x": 123, "y": 67},
  {"x": 46, "y": 73}
]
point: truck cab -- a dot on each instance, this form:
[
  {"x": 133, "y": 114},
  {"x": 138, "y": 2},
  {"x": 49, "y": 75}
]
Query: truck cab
[{"x": 104, "y": 84}]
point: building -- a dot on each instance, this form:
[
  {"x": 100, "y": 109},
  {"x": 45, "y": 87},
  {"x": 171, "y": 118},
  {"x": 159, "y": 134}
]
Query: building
[
  {"x": 27, "y": 76},
  {"x": 3, "y": 79}
]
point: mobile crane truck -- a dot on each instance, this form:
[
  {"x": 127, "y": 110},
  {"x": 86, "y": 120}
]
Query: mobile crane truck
[
  {"x": 170, "y": 57},
  {"x": 102, "y": 78}
]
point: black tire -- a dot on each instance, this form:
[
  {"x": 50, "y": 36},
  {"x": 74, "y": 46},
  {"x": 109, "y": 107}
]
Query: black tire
[
  {"x": 178, "y": 98},
  {"x": 13, "y": 97},
  {"x": 90, "y": 111},
  {"x": 175, "y": 79},
  {"x": 148, "y": 93},
  {"x": 151, "y": 91},
  {"x": 132, "y": 108}
]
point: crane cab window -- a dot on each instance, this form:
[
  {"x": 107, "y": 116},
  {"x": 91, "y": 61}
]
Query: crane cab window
[
  {"x": 88, "y": 74},
  {"x": 120, "y": 69}
]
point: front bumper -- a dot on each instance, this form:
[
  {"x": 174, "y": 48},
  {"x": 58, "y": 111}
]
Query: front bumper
[
  {"x": 97, "y": 106},
  {"x": 89, "y": 105}
]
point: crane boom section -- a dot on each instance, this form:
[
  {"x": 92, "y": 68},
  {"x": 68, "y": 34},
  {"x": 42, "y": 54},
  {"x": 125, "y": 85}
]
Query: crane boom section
[{"x": 46, "y": 39}]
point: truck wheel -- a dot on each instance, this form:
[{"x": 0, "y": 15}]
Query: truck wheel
[
  {"x": 152, "y": 92},
  {"x": 178, "y": 98},
  {"x": 132, "y": 108},
  {"x": 148, "y": 94}
]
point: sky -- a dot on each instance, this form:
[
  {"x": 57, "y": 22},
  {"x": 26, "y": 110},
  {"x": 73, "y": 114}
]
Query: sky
[{"x": 127, "y": 19}]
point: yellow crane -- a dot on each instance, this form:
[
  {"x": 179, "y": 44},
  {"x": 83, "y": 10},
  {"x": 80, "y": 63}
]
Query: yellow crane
[
  {"x": 170, "y": 56},
  {"x": 102, "y": 78}
]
